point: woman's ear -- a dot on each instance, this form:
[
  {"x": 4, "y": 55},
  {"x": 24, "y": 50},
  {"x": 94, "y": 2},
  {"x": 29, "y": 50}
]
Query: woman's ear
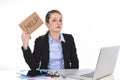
[{"x": 47, "y": 24}]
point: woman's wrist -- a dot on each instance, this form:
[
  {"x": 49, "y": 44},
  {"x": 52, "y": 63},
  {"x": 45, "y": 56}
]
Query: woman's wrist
[{"x": 25, "y": 47}]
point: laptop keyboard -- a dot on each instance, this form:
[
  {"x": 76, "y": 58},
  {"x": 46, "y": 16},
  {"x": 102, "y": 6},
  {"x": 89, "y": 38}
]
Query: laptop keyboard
[{"x": 89, "y": 75}]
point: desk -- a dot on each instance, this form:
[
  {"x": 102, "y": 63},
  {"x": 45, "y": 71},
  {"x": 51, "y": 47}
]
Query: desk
[{"x": 12, "y": 75}]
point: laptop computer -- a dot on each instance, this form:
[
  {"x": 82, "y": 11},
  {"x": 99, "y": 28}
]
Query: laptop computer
[{"x": 105, "y": 64}]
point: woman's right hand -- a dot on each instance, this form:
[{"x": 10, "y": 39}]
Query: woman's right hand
[{"x": 25, "y": 40}]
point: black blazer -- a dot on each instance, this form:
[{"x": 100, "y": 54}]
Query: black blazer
[{"x": 40, "y": 56}]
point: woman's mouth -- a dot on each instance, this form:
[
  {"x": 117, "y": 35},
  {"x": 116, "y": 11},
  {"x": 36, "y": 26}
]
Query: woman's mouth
[{"x": 58, "y": 27}]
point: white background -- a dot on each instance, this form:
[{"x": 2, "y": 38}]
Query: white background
[{"x": 93, "y": 23}]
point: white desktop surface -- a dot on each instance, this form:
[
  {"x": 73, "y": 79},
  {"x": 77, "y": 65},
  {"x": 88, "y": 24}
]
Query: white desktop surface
[{"x": 13, "y": 75}]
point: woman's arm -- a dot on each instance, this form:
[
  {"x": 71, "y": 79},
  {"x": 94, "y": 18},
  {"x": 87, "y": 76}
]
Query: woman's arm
[
  {"x": 74, "y": 57},
  {"x": 28, "y": 56}
]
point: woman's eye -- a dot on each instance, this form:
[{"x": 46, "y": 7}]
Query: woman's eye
[
  {"x": 53, "y": 20},
  {"x": 60, "y": 20},
  {"x": 56, "y": 20}
]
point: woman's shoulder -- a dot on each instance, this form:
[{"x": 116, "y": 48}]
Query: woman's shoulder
[
  {"x": 42, "y": 37},
  {"x": 67, "y": 35}
]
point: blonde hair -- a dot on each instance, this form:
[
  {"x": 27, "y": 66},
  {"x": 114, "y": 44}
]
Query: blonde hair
[{"x": 49, "y": 14}]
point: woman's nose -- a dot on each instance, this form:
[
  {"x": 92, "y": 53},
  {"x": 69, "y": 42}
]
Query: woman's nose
[{"x": 59, "y": 23}]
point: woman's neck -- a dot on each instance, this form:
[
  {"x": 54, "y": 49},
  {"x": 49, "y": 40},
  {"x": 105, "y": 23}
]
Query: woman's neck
[{"x": 55, "y": 35}]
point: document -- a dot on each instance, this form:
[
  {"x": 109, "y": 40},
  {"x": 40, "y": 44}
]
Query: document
[{"x": 23, "y": 76}]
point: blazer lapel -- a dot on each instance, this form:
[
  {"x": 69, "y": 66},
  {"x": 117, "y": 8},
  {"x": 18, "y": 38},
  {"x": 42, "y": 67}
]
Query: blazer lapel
[
  {"x": 64, "y": 48},
  {"x": 46, "y": 50}
]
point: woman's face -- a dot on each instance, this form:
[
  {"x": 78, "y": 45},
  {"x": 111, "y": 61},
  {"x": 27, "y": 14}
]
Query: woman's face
[{"x": 55, "y": 22}]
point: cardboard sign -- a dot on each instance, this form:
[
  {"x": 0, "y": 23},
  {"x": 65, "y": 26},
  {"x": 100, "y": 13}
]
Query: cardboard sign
[{"x": 31, "y": 23}]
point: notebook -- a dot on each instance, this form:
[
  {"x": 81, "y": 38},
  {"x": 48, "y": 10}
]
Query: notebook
[{"x": 105, "y": 64}]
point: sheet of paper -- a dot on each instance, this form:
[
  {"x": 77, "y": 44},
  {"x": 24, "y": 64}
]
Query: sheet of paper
[{"x": 23, "y": 76}]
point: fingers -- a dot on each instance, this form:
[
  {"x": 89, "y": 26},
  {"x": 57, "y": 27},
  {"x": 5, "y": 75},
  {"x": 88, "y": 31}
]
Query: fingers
[
  {"x": 26, "y": 35},
  {"x": 25, "y": 39}
]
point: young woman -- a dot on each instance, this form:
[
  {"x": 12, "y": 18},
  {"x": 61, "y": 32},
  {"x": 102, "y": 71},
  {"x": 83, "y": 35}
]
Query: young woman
[{"x": 54, "y": 50}]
